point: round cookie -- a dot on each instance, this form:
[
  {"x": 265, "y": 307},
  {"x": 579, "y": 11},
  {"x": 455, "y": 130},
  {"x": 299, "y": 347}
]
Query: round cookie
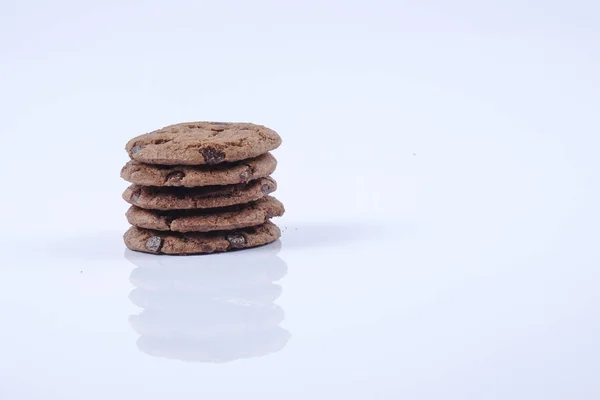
[
  {"x": 157, "y": 242},
  {"x": 178, "y": 198},
  {"x": 196, "y": 143},
  {"x": 223, "y": 219},
  {"x": 199, "y": 175}
]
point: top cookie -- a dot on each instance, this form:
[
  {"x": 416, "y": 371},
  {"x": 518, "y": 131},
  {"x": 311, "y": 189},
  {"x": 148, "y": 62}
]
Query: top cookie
[{"x": 197, "y": 143}]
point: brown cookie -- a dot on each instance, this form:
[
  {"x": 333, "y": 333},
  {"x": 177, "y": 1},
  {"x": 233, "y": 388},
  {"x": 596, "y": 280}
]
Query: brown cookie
[
  {"x": 157, "y": 242},
  {"x": 219, "y": 219},
  {"x": 195, "y": 143},
  {"x": 199, "y": 175},
  {"x": 178, "y": 198}
]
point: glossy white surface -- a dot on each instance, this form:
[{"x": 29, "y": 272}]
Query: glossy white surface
[{"x": 439, "y": 170}]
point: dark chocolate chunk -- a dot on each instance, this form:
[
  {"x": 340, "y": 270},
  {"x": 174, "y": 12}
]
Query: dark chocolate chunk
[
  {"x": 175, "y": 176},
  {"x": 136, "y": 195},
  {"x": 244, "y": 176},
  {"x": 237, "y": 240},
  {"x": 266, "y": 189},
  {"x": 154, "y": 244},
  {"x": 136, "y": 148},
  {"x": 212, "y": 155}
]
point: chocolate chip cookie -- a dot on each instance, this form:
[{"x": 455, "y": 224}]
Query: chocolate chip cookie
[
  {"x": 217, "y": 219},
  {"x": 196, "y": 143},
  {"x": 179, "y": 198},
  {"x": 199, "y": 175},
  {"x": 157, "y": 242}
]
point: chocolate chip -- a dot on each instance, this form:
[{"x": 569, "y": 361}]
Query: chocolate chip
[
  {"x": 237, "y": 240},
  {"x": 244, "y": 176},
  {"x": 247, "y": 173},
  {"x": 185, "y": 239},
  {"x": 175, "y": 176},
  {"x": 136, "y": 148},
  {"x": 154, "y": 244},
  {"x": 266, "y": 189},
  {"x": 220, "y": 123},
  {"x": 161, "y": 141},
  {"x": 136, "y": 195},
  {"x": 212, "y": 155}
]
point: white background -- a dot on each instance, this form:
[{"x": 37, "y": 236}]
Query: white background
[{"x": 439, "y": 169}]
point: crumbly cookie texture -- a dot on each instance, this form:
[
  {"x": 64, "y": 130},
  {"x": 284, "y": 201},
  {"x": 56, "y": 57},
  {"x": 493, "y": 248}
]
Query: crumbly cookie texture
[
  {"x": 197, "y": 143},
  {"x": 199, "y": 175},
  {"x": 157, "y": 242},
  {"x": 220, "y": 219},
  {"x": 178, "y": 198}
]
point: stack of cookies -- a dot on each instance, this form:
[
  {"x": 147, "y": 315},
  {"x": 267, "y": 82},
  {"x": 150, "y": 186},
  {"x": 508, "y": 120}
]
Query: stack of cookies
[{"x": 201, "y": 187}]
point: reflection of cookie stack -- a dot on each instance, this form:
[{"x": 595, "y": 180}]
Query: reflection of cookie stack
[
  {"x": 201, "y": 187},
  {"x": 219, "y": 312}
]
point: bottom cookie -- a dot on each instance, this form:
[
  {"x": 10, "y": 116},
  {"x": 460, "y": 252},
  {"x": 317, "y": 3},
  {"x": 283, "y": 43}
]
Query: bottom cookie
[{"x": 156, "y": 242}]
